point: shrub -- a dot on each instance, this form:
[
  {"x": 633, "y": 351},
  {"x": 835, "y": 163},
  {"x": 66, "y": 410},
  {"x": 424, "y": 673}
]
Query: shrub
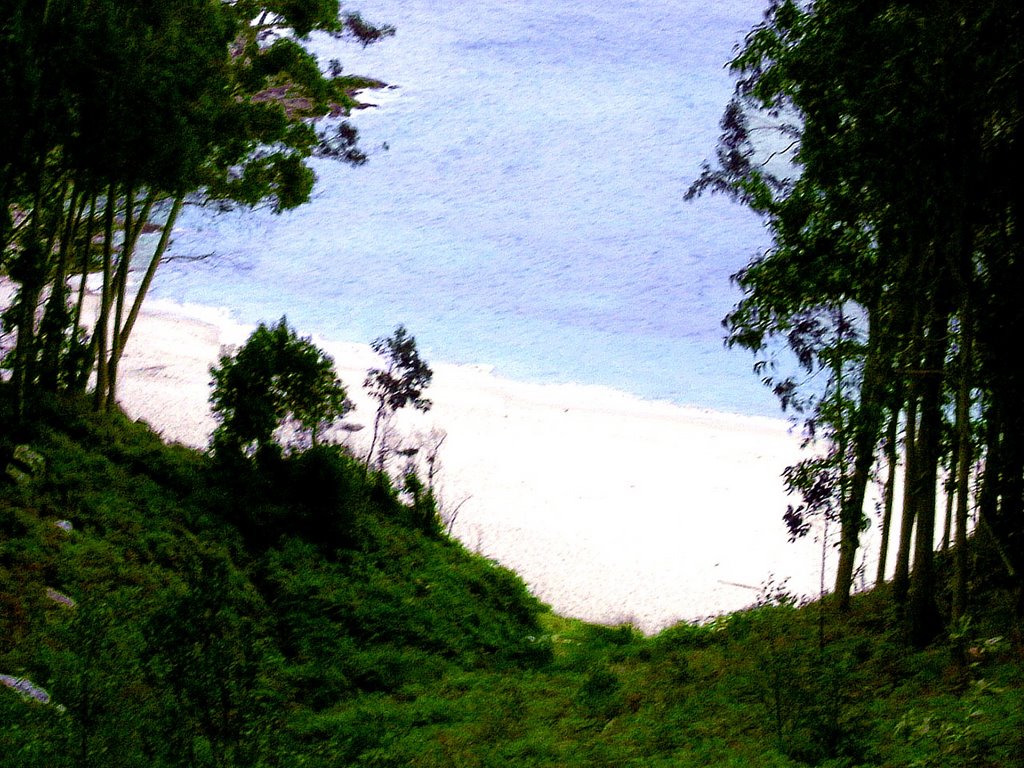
[
  {"x": 276, "y": 385},
  {"x": 322, "y": 486},
  {"x": 601, "y": 694}
]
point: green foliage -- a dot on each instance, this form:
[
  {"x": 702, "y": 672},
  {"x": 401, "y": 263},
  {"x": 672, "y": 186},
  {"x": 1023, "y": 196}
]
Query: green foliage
[
  {"x": 424, "y": 505},
  {"x": 302, "y": 616},
  {"x": 405, "y": 375},
  {"x": 398, "y": 384},
  {"x": 875, "y": 139},
  {"x": 600, "y": 695},
  {"x": 122, "y": 109},
  {"x": 277, "y": 390},
  {"x": 972, "y": 730}
]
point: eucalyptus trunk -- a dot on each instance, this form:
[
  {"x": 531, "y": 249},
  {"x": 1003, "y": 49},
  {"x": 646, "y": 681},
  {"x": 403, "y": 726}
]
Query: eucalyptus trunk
[
  {"x": 924, "y": 617},
  {"x": 133, "y": 225},
  {"x": 123, "y": 333},
  {"x": 865, "y": 441},
  {"x": 901, "y": 574},
  {"x": 56, "y": 317},
  {"x": 78, "y": 366},
  {"x": 29, "y": 270},
  {"x": 892, "y": 461},
  {"x": 103, "y": 319},
  {"x": 963, "y": 465}
]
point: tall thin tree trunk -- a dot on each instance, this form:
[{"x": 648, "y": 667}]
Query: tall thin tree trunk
[
  {"x": 378, "y": 423},
  {"x": 963, "y": 464},
  {"x": 901, "y": 574},
  {"x": 892, "y": 460},
  {"x": 32, "y": 270},
  {"x": 924, "y": 617},
  {"x": 132, "y": 229},
  {"x": 988, "y": 496},
  {"x": 77, "y": 372},
  {"x": 866, "y": 429},
  {"x": 950, "y": 491},
  {"x": 125, "y": 257},
  {"x": 55, "y": 319},
  {"x": 122, "y": 334},
  {"x": 103, "y": 320}
]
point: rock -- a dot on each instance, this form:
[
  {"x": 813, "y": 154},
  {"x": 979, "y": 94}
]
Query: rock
[
  {"x": 25, "y": 464},
  {"x": 31, "y": 461},
  {"x": 60, "y": 598},
  {"x": 26, "y": 688}
]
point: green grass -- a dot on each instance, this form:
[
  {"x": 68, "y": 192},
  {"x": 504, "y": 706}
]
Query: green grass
[{"x": 301, "y": 614}]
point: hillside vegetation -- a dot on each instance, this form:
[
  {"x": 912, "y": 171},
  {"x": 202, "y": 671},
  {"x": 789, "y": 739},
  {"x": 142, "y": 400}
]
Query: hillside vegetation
[
  {"x": 158, "y": 609},
  {"x": 259, "y": 607}
]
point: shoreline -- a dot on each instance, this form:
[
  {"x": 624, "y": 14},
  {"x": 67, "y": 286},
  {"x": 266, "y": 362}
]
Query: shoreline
[{"x": 610, "y": 507}]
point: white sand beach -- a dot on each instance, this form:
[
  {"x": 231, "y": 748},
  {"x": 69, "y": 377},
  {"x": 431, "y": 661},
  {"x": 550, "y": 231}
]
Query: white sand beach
[{"x": 610, "y": 507}]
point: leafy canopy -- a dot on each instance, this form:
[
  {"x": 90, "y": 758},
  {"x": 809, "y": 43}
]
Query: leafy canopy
[
  {"x": 405, "y": 375},
  {"x": 277, "y": 385},
  {"x": 399, "y": 383}
]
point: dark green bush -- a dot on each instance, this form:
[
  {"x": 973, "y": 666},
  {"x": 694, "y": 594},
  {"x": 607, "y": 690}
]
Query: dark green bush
[
  {"x": 600, "y": 695},
  {"x": 323, "y": 486},
  {"x": 686, "y": 635}
]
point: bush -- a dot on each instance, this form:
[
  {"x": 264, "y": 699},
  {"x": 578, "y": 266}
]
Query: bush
[
  {"x": 601, "y": 694},
  {"x": 322, "y": 488},
  {"x": 276, "y": 386}
]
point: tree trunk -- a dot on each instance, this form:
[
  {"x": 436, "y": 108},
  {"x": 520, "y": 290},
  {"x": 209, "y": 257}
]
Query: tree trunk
[
  {"x": 103, "y": 320},
  {"x": 56, "y": 319},
  {"x": 963, "y": 465},
  {"x": 25, "y": 271},
  {"x": 122, "y": 334},
  {"x": 30, "y": 270},
  {"x": 77, "y": 368},
  {"x": 950, "y": 489},
  {"x": 924, "y": 616},
  {"x": 866, "y": 430},
  {"x": 378, "y": 421},
  {"x": 892, "y": 460},
  {"x": 901, "y": 575},
  {"x": 132, "y": 229}
]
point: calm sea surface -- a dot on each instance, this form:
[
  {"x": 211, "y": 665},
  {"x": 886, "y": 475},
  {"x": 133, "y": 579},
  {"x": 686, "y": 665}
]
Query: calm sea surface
[{"x": 522, "y": 207}]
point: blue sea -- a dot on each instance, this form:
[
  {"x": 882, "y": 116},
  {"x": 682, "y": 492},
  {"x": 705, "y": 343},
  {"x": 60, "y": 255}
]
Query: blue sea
[{"x": 523, "y": 203}]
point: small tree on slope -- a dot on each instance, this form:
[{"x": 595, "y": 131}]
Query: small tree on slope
[
  {"x": 399, "y": 383},
  {"x": 277, "y": 386}
]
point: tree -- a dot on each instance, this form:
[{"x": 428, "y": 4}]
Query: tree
[
  {"x": 278, "y": 386},
  {"x": 124, "y": 111},
  {"x": 896, "y": 207},
  {"x": 399, "y": 383}
]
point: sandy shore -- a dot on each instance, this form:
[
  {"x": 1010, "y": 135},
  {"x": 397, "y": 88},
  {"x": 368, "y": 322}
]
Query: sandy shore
[{"x": 610, "y": 507}]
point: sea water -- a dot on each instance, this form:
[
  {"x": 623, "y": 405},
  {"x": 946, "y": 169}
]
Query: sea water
[{"x": 523, "y": 202}]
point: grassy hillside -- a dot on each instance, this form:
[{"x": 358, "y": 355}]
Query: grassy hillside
[{"x": 180, "y": 613}]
